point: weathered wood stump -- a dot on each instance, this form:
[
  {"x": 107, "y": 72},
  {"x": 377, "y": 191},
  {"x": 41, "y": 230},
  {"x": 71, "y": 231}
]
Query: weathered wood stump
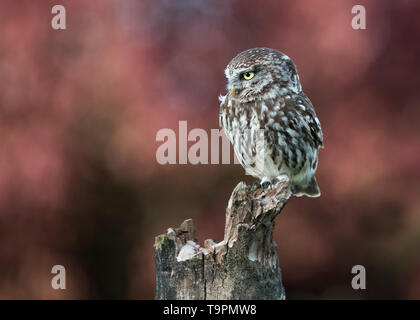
[{"x": 242, "y": 266}]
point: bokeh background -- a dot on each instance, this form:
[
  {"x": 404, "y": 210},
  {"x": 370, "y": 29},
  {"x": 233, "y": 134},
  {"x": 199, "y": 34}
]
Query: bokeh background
[{"x": 79, "y": 111}]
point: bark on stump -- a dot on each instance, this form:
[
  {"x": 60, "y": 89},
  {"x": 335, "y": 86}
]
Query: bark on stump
[{"x": 242, "y": 266}]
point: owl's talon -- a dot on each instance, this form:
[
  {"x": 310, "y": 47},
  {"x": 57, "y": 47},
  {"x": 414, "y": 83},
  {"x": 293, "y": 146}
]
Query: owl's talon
[
  {"x": 255, "y": 185},
  {"x": 266, "y": 184}
]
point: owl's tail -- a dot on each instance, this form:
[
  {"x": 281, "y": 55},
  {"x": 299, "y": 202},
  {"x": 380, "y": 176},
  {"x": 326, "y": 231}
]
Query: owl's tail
[{"x": 311, "y": 190}]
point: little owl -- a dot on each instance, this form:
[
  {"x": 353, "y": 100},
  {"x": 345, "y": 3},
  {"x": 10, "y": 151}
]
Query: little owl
[{"x": 270, "y": 121}]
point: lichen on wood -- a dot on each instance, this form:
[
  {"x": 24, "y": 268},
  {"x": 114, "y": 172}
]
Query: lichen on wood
[{"x": 244, "y": 265}]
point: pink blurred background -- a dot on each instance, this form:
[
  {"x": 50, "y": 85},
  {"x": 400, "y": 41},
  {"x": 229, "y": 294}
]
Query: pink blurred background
[{"x": 80, "y": 109}]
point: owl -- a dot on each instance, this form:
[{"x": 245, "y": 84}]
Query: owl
[{"x": 270, "y": 121}]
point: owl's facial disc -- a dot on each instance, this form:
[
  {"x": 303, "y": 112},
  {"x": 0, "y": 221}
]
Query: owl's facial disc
[
  {"x": 260, "y": 73},
  {"x": 247, "y": 84}
]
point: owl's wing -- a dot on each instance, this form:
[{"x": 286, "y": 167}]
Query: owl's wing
[{"x": 313, "y": 125}]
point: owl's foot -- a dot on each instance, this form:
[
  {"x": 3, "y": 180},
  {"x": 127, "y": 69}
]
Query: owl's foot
[
  {"x": 264, "y": 184},
  {"x": 255, "y": 185},
  {"x": 268, "y": 183}
]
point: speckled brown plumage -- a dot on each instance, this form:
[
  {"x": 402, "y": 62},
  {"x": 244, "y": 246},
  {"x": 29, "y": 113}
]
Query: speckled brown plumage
[{"x": 270, "y": 121}]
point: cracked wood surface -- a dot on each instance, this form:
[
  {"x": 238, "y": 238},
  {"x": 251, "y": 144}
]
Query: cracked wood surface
[{"x": 243, "y": 266}]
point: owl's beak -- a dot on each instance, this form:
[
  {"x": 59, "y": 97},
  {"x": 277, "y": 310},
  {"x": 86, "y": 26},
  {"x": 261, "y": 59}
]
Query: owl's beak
[{"x": 233, "y": 91}]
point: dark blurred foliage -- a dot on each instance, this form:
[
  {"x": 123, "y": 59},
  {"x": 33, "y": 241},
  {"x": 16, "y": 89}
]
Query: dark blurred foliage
[{"x": 80, "y": 109}]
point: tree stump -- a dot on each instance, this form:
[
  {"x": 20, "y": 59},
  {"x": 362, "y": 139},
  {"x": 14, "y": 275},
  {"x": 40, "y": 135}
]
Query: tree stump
[{"x": 243, "y": 266}]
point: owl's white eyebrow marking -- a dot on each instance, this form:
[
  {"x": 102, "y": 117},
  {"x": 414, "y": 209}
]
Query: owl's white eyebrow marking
[{"x": 242, "y": 70}]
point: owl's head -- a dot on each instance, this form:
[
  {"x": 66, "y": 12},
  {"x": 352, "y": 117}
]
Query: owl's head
[{"x": 261, "y": 73}]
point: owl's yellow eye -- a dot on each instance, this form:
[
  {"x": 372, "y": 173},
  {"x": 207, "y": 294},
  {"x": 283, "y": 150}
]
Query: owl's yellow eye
[{"x": 248, "y": 75}]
